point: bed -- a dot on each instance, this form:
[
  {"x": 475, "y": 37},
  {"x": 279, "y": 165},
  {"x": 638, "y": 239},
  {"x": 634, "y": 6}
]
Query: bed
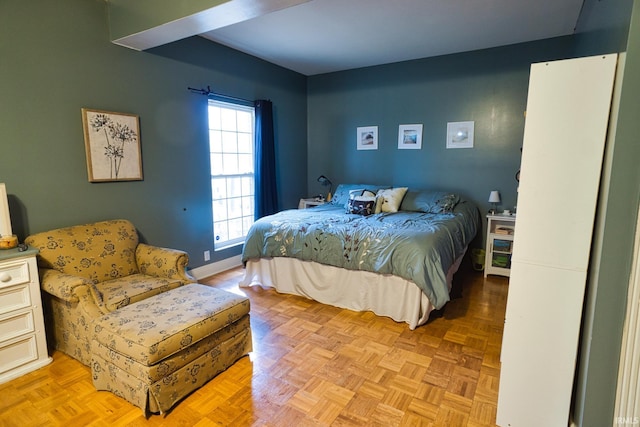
[{"x": 392, "y": 251}]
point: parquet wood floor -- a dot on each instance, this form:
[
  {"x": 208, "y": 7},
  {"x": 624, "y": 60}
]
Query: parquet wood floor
[{"x": 312, "y": 365}]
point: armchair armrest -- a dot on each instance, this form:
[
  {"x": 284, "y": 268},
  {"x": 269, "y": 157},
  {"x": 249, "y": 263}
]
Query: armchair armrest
[
  {"x": 163, "y": 262},
  {"x": 61, "y": 285}
]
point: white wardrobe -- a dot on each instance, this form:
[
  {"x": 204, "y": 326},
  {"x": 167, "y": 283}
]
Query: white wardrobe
[{"x": 565, "y": 132}]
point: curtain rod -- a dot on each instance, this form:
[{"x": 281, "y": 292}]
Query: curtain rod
[{"x": 209, "y": 92}]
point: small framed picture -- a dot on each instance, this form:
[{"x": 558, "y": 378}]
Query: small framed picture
[
  {"x": 460, "y": 134},
  {"x": 367, "y": 138},
  {"x": 112, "y": 143},
  {"x": 410, "y": 137}
]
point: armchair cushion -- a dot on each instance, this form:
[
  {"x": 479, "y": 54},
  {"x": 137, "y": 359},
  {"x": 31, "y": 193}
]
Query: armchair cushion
[
  {"x": 98, "y": 252},
  {"x": 117, "y": 293}
]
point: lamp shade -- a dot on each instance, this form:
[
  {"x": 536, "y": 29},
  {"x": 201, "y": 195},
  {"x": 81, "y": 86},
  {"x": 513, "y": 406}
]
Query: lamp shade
[
  {"x": 324, "y": 180},
  {"x": 494, "y": 197},
  {"x": 5, "y": 219}
]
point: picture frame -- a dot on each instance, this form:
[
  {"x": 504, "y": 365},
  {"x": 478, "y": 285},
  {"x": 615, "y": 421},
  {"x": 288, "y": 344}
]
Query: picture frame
[
  {"x": 112, "y": 144},
  {"x": 410, "y": 137},
  {"x": 460, "y": 134},
  {"x": 367, "y": 138}
]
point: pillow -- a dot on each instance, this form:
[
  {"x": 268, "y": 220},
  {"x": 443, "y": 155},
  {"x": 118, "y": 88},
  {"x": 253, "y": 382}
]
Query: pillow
[
  {"x": 389, "y": 200},
  {"x": 362, "y": 205},
  {"x": 429, "y": 201},
  {"x": 341, "y": 195},
  {"x": 359, "y": 195}
]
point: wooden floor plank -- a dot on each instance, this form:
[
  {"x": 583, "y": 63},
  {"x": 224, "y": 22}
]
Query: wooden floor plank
[{"x": 312, "y": 365}]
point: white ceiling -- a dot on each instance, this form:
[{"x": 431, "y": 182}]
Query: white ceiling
[{"x": 323, "y": 36}]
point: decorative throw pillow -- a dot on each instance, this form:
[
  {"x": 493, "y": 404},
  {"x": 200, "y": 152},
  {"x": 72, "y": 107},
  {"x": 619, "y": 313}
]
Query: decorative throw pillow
[
  {"x": 362, "y": 205},
  {"x": 389, "y": 200},
  {"x": 429, "y": 201},
  {"x": 448, "y": 202},
  {"x": 360, "y": 195},
  {"x": 341, "y": 195}
]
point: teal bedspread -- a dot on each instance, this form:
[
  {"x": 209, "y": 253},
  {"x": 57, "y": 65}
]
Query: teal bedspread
[{"x": 420, "y": 247}]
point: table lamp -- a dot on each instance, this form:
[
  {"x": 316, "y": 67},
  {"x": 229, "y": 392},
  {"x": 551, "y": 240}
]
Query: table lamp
[
  {"x": 325, "y": 181},
  {"x": 494, "y": 199}
]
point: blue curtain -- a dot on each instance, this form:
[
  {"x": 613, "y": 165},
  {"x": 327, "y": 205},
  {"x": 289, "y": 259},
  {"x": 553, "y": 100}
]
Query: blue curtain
[{"x": 265, "y": 171}]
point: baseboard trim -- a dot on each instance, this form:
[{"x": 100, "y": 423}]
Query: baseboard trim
[{"x": 209, "y": 270}]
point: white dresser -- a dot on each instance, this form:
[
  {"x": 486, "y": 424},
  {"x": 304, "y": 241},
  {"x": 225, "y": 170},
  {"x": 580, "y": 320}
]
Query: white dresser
[{"x": 23, "y": 344}]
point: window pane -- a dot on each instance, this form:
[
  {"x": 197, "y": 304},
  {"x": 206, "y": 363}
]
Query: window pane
[
  {"x": 245, "y": 121},
  {"x": 229, "y": 142},
  {"x": 219, "y": 188},
  {"x": 220, "y": 232},
  {"x": 234, "y": 187},
  {"x": 247, "y": 206},
  {"x": 235, "y": 207},
  {"x": 230, "y": 164},
  {"x": 245, "y": 163},
  {"x": 245, "y": 143},
  {"x": 220, "y": 210},
  {"x": 215, "y": 141},
  {"x": 228, "y": 119},
  {"x": 247, "y": 185},
  {"x": 216, "y": 164},
  {"x": 235, "y": 228},
  {"x": 214, "y": 117}
]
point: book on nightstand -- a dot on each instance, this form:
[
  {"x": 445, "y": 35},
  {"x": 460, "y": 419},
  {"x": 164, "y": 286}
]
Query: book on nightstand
[{"x": 504, "y": 230}]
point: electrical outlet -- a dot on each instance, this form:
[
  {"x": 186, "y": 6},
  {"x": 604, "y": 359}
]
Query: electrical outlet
[{"x": 207, "y": 255}]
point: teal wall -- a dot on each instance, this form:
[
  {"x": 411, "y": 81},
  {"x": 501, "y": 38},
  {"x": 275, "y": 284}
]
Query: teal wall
[
  {"x": 488, "y": 87},
  {"x": 56, "y": 58},
  {"x": 606, "y": 298}
]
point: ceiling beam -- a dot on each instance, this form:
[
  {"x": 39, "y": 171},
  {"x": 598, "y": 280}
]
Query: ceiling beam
[{"x": 143, "y": 24}]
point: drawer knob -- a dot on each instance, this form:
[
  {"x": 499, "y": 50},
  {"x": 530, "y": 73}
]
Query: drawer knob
[{"x": 5, "y": 277}]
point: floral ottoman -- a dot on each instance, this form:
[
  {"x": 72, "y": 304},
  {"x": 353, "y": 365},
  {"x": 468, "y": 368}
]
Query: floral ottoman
[{"x": 156, "y": 351}]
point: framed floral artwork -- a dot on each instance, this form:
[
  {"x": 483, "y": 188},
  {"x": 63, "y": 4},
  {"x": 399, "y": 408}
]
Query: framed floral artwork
[
  {"x": 112, "y": 143},
  {"x": 410, "y": 137},
  {"x": 367, "y": 138}
]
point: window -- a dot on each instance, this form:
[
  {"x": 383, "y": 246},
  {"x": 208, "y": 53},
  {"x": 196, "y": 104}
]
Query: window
[{"x": 232, "y": 186}]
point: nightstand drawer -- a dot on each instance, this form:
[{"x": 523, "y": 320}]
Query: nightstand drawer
[
  {"x": 14, "y": 273},
  {"x": 14, "y": 298},
  {"x": 16, "y": 325},
  {"x": 23, "y": 343},
  {"x": 18, "y": 353}
]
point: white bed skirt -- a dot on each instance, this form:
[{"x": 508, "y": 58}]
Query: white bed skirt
[{"x": 383, "y": 294}]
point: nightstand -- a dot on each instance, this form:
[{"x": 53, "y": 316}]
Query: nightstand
[
  {"x": 309, "y": 203},
  {"x": 23, "y": 344},
  {"x": 500, "y": 231}
]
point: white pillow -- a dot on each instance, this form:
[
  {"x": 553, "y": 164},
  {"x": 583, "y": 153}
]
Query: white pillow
[{"x": 389, "y": 200}]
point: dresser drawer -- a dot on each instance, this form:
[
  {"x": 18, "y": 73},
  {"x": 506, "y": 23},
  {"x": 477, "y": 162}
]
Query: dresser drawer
[
  {"x": 14, "y": 298},
  {"x": 18, "y": 353},
  {"x": 14, "y": 273},
  {"x": 16, "y": 325}
]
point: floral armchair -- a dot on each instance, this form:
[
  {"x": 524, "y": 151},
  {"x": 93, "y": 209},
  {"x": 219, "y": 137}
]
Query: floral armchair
[{"x": 89, "y": 270}]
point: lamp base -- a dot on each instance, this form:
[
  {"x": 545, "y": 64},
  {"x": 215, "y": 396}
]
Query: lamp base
[
  {"x": 8, "y": 242},
  {"x": 328, "y": 196}
]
